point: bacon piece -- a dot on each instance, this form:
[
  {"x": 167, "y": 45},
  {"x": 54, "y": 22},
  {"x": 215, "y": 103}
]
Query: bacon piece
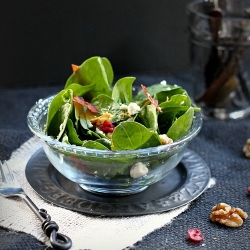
[
  {"x": 150, "y": 98},
  {"x": 74, "y": 67},
  {"x": 88, "y": 105}
]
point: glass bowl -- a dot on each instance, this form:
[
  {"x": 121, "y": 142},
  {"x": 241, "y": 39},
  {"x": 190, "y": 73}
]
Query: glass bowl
[{"x": 109, "y": 172}]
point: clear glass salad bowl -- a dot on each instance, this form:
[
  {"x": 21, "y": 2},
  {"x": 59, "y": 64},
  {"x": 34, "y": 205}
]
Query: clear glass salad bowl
[{"x": 109, "y": 172}]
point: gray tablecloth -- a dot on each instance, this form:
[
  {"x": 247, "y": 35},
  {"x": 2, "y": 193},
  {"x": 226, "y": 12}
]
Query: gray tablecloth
[{"x": 219, "y": 143}]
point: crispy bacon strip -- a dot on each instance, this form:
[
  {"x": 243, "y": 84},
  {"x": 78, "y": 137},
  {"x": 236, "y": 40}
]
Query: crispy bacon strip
[
  {"x": 150, "y": 98},
  {"x": 74, "y": 67},
  {"x": 88, "y": 105}
]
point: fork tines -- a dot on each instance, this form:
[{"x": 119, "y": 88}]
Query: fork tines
[{"x": 6, "y": 172}]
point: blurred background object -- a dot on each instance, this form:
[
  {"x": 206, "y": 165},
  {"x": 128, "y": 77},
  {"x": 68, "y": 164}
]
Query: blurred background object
[
  {"x": 40, "y": 39},
  {"x": 220, "y": 56}
]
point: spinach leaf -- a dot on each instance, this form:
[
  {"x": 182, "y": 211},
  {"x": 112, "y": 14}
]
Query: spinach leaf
[
  {"x": 95, "y": 134},
  {"x": 109, "y": 70},
  {"x": 148, "y": 117},
  {"x": 132, "y": 135},
  {"x": 105, "y": 104},
  {"x": 88, "y": 134},
  {"x": 171, "y": 110},
  {"x": 59, "y": 121},
  {"x": 94, "y": 145},
  {"x": 59, "y": 110},
  {"x": 64, "y": 96},
  {"x": 182, "y": 125},
  {"x": 80, "y": 90},
  {"x": 166, "y": 95},
  {"x": 176, "y": 104},
  {"x": 93, "y": 71},
  {"x": 72, "y": 134},
  {"x": 105, "y": 142},
  {"x": 159, "y": 88},
  {"x": 122, "y": 91},
  {"x": 85, "y": 122},
  {"x": 65, "y": 138},
  {"x": 153, "y": 141}
]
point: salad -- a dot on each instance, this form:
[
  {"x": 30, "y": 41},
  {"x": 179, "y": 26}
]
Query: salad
[{"x": 93, "y": 112}]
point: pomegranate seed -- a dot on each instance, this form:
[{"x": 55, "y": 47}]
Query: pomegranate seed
[
  {"x": 195, "y": 235},
  {"x": 248, "y": 190},
  {"x": 107, "y": 127}
]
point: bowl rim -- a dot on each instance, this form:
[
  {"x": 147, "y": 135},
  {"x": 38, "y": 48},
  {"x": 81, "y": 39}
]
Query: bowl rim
[{"x": 33, "y": 122}]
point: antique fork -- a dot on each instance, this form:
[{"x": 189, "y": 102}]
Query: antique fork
[{"x": 9, "y": 187}]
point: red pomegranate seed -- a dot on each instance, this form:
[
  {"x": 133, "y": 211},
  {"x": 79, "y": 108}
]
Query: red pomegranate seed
[
  {"x": 195, "y": 235},
  {"x": 107, "y": 127},
  {"x": 248, "y": 190}
]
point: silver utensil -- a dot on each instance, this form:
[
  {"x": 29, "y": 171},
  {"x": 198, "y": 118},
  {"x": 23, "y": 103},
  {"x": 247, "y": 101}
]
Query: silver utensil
[{"x": 9, "y": 187}]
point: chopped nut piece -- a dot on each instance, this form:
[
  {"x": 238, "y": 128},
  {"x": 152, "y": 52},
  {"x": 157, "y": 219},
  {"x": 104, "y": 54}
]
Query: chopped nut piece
[
  {"x": 165, "y": 139},
  {"x": 246, "y": 148},
  {"x": 101, "y": 119},
  {"x": 227, "y": 215}
]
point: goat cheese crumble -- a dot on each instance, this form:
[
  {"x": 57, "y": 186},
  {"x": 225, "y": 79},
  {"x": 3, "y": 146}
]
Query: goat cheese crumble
[
  {"x": 164, "y": 82},
  {"x": 124, "y": 107},
  {"x": 133, "y": 108},
  {"x": 138, "y": 170}
]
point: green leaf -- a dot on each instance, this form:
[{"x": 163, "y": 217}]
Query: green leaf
[
  {"x": 166, "y": 95},
  {"x": 176, "y": 101},
  {"x": 105, "y": 104},
  {"x": 59, "y": 121},
  {"x": 72, "y": 134},
  {"x": 122, "y": 91},
  {"x": 105, "y": 142},
  {"x": 148, "y": 117},
  {"x": 176, "y": 106},
  {"x": 63, "y": 97},
  {"x": 80, "y": 90},
  {"x": 153, "y": 141},
  {"x": 109, "y": 70},
  {"x": 85, "y": 123},
  {"x": 182, "y": 125},
  {"x": 159, "y": 89},
  {"x": 94, "y": 145},
  {"x": 93, "y": 71},
  {"x": 131, "y": 136},
  {"x": 65, "y": 138}
]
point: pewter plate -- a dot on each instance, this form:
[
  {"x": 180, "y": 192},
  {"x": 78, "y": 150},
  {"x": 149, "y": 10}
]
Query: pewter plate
[{"x": 182, "y": 185}]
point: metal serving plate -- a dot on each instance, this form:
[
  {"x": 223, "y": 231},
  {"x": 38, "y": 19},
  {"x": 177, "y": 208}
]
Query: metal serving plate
[{"x": 182, "y": 185}]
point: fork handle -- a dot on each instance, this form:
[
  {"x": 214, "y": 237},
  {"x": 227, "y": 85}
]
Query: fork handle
[{"x": 58, "y": 241}]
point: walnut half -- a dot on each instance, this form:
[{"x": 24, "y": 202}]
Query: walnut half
[
  {"x": 246, "y": 148},
  {"x": 227, "y": 215}
]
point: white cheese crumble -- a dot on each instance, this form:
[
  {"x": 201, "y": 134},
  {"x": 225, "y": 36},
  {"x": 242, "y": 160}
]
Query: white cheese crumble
[
  {"x": 133, "y": 108},
  {"x": 97, "y": 130},
  {"x": 124, "y": 107},
  {"x": 164, "y": 82},
  {"x": 138, "y": 170}
]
